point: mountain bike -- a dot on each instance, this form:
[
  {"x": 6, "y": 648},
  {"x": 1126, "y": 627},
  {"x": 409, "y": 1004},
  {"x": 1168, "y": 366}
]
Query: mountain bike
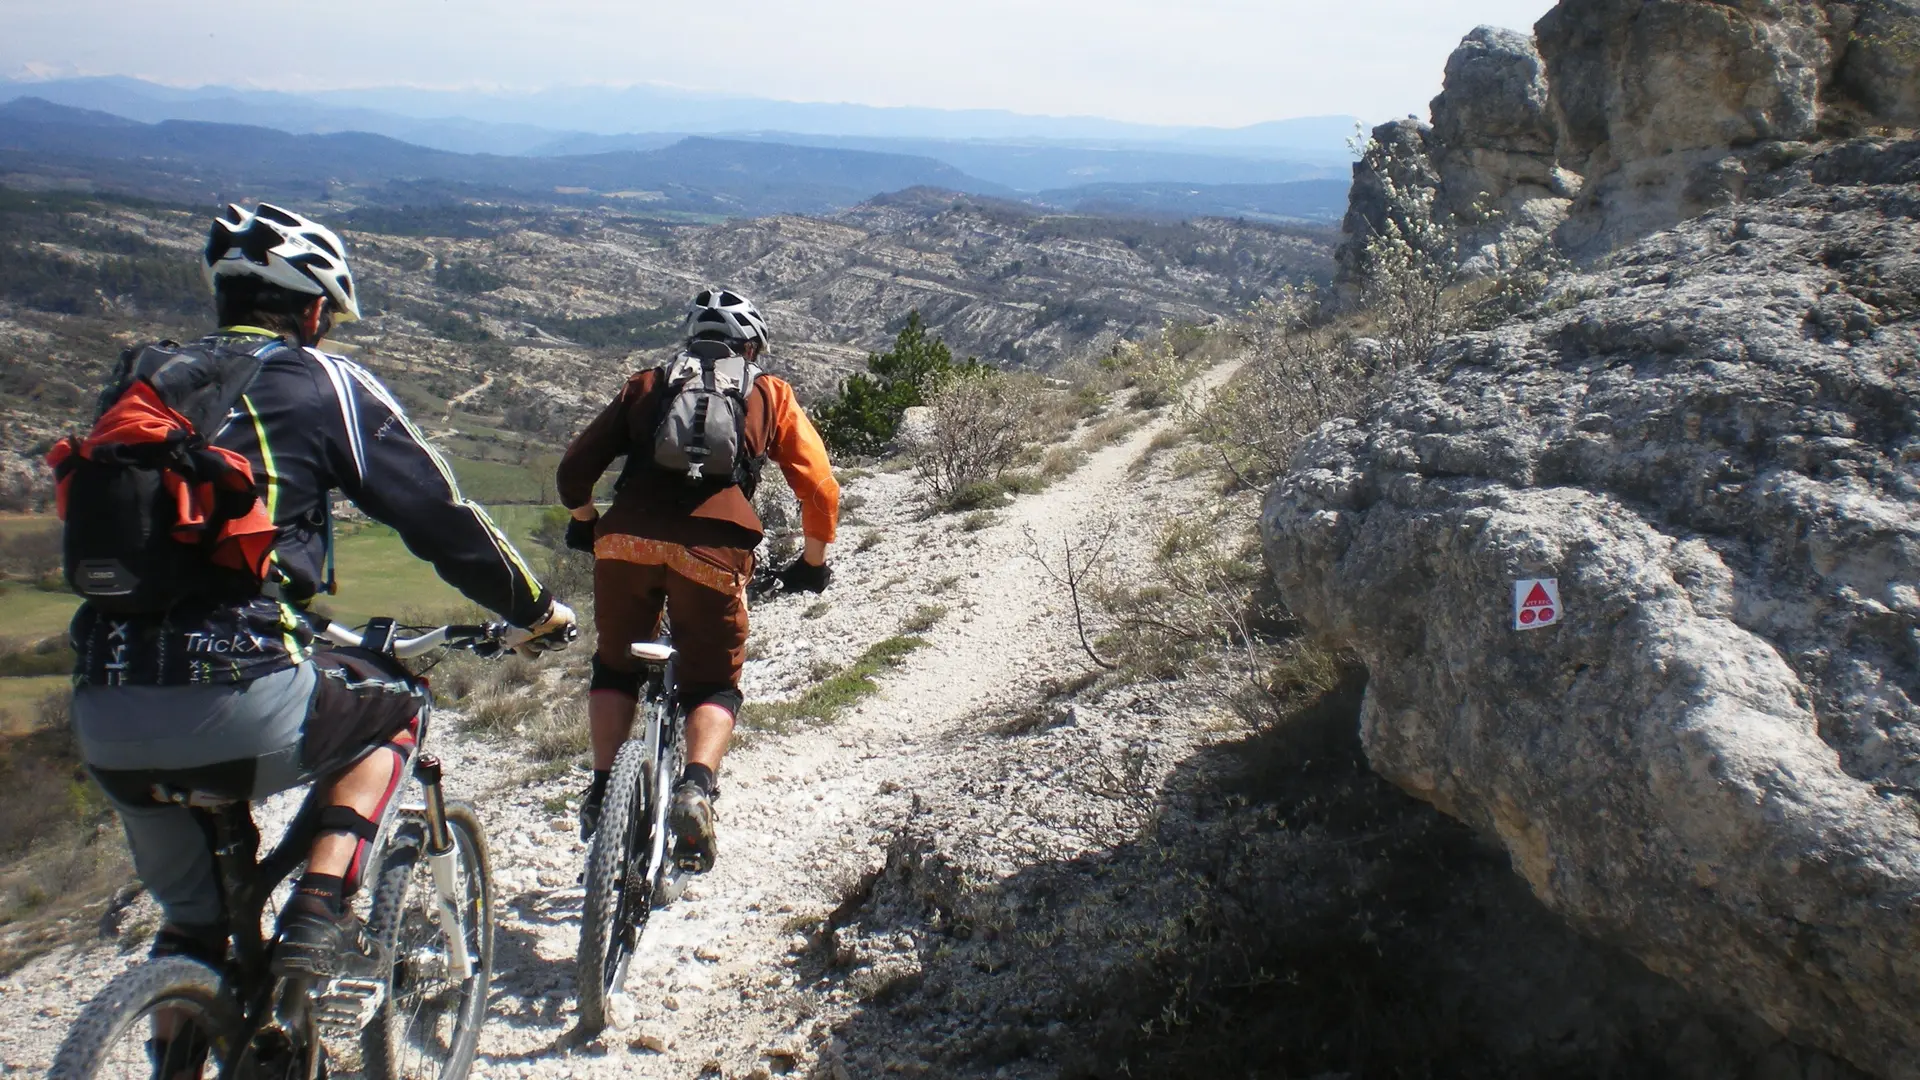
[
  {"x": 430, "y": 914},
  {"x": 630, "y": 868}
]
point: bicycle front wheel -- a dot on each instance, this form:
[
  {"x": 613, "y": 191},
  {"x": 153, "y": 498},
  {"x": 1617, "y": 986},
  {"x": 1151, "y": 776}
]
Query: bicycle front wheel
[
  {"x": 428, "y": 1024},
  {"x": 616, "y": 902},
  {"x": 165, "y": 1018}
]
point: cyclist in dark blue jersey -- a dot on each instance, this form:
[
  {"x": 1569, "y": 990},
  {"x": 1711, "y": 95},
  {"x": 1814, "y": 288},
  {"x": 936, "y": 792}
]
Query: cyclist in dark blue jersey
[{"x": 225, "y": 694}]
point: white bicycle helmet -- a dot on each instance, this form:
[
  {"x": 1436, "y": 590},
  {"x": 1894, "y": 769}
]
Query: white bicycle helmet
[
  {"x": 282, "y": 248},
  {"x": 725, "y": 312}
]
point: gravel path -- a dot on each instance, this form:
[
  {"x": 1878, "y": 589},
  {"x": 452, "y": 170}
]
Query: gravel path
[{"x": 718, "y": 986}]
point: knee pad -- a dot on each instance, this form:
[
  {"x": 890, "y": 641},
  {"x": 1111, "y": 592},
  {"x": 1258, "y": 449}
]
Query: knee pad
[
  {"x": 610, "y": 678},
  {"x": 725, "y": 695},
  {"x": 345, "y": 819}
]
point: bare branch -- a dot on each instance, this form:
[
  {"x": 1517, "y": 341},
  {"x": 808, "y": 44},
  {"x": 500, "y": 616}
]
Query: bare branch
[{"x": 1076, "y": 564}]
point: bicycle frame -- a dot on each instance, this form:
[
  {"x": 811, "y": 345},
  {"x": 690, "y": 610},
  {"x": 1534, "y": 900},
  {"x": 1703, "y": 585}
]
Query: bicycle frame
[
  {"x": 248, "y": 886},
  {"x": 663, "y": 716},
  {"x": 659, "y": 721}
]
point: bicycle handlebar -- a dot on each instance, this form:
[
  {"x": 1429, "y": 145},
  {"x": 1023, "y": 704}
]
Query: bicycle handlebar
[{"x": 486, "y": 639}]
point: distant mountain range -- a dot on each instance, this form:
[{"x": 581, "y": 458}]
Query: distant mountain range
[
  {"x": 46, "y": 144},
  {"x": 1026, "y": 153},
  {"x": 200, "y": 162},
  {"x": 1021, "y": 166}
]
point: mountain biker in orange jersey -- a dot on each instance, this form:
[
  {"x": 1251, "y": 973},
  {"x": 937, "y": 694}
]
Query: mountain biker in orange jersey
[
  {"x": 685, "y": 537},
  {"x": 219, "y": 689}
]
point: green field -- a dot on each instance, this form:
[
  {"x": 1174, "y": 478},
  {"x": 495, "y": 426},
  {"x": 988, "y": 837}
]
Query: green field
[
  {"x": 16, "y": 524},
  {"x": 20, "y": 701},
  {"x": 377, "y": 575},
  {"x": 29, "y": 614},
  {"x": 489, "y": 482}
]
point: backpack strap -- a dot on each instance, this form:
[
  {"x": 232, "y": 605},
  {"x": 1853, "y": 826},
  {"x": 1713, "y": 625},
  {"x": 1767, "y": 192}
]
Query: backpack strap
[
  {"x": 663, "y": 394},
  {"x": 203, "y": 381},
  {"x": 747, "y": 464},
  {"x": 697, "y": 451}
]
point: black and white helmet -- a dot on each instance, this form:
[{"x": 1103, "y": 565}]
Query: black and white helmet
[
  {"x": 282, "y": 248},
  {"x": 727, "y": 313}
]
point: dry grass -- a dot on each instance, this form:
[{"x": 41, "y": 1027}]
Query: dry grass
[
  {"x": 924, "y": 618},
  {"x": 62, "y": 856},
  {"x": 835, "y": 692},
  {"x": 1113, "y": 429},
  {"x": 506, "y": 700},
  {"x": 1162, "y": 441},
  {"x": 1061, "y": 462}
]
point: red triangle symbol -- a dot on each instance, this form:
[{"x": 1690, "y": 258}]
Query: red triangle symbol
[{"x": 1538, "y": 597}]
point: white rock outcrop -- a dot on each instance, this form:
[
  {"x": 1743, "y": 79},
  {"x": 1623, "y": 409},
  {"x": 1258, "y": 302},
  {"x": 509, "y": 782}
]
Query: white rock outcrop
[{"x": 1714, "y": 445}]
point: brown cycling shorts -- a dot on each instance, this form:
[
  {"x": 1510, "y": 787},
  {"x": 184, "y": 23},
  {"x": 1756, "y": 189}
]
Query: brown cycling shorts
[{"x": 704, "y": 588}]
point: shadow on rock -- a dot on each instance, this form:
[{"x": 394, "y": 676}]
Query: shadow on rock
[{"x": 1288, "y": 914}]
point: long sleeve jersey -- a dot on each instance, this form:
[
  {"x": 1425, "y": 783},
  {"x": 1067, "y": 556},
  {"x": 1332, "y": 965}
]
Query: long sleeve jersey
[
  {"x": 312, "y": 423},
  {"x": 654, "y": 504}
]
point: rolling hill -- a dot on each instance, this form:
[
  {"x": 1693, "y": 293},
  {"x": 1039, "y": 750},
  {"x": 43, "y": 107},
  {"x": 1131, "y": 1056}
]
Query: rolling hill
[{"x": 189, "y": 160}]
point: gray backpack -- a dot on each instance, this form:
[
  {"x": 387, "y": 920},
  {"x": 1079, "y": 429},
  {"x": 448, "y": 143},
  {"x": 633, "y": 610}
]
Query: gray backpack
[{"x": 701, "y": 433}]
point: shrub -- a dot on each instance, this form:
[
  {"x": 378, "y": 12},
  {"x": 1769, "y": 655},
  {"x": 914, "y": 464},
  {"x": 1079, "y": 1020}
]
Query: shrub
[
  {"x": 1157, "y": 369},
  {"x": 466, "y": 277},
  {"x": 866, "y": 415},
  {"x": 48, "y": 656},
  {"x": 1204, "y": 600},
  {"x": 31, "y": 554},
  {"x": 1296, "y": 377},
  {"x": 979, "y": 424}
]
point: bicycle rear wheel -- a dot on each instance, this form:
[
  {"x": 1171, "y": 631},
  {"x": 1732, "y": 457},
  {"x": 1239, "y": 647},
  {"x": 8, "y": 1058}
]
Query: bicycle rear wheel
[
  {"x": 618, "y": 893},
  {"x": 428, "y": 1024},
  {"x": 167, "y": 1017}
]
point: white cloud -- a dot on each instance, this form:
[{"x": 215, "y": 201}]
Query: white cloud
[{"x": 1224, "y": 62}]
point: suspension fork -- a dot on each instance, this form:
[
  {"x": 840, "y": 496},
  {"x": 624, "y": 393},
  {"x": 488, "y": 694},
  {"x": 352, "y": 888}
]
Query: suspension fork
[{"x": 442, "y": 861}]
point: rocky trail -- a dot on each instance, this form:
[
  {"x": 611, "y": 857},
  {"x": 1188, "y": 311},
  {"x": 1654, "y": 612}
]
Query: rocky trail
[{"x": 724, "y": 983}]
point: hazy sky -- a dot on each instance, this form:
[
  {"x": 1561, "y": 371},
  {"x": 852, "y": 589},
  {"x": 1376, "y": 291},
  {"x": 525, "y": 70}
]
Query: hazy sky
[{"x": 1217, "y": 62}]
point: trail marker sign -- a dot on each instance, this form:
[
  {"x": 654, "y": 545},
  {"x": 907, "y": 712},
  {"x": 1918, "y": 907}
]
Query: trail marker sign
[{"x": 1536, "y": 603}]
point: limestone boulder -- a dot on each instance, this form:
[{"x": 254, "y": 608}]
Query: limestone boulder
[
  {"x": 1618, "y": 118},
  {"x": 1493, "y": 147},
  {"x": 1880, "y": 68},
  {"x": 1395, "y": 177},
  {"x": 1712, "y": 443}
]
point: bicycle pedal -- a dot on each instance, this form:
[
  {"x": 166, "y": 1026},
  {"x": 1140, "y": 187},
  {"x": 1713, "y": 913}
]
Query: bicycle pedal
[{"x": 347, "y": 1005}]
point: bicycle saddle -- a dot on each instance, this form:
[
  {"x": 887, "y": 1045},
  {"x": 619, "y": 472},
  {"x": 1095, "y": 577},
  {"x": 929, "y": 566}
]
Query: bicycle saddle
[{"x": 653, "y": 652}]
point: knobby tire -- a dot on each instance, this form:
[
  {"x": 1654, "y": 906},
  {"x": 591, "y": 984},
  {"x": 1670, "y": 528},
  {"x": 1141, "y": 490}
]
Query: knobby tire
[
  {"x": 610, "y": 929},
  {"x": 113, "y": 1015}
]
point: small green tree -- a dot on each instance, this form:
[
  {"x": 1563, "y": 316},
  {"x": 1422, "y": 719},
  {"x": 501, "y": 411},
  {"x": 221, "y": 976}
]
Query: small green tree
[{"x": 864, "y": 418}]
